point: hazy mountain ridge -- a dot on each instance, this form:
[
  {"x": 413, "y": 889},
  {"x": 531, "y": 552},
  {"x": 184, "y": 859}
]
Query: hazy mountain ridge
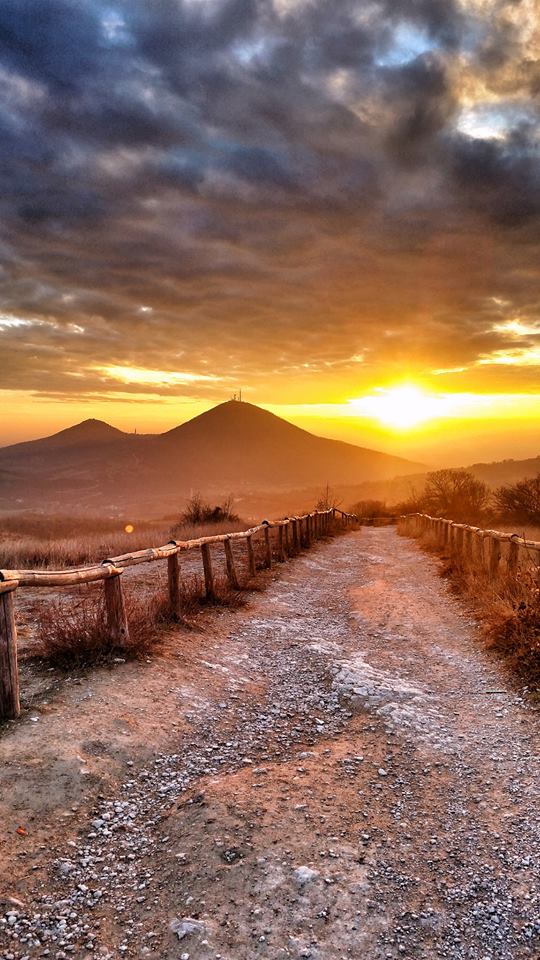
[{"x": 232, "y": 447}]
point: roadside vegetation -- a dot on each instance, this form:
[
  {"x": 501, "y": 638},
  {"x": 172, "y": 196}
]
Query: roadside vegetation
[
  {"x": 459, "y": 496},
  {"x": 507, "y": 607},
  {"x": 197, "y": 512},
  {"x": 31, "y": 540},
  {"x": 71, "y": 629}
]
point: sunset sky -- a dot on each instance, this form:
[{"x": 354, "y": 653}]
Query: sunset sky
[{"x": 333, "y": 205}]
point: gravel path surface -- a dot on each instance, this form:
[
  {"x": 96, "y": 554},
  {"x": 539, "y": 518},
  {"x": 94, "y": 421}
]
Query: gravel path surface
[{"x": 359, "y": 781}]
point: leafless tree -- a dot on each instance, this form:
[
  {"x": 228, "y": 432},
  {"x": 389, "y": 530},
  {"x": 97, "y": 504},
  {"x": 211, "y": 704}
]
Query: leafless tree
[
  {"x": 455, "y": 494},
  {"x": 520, "y": 501}
]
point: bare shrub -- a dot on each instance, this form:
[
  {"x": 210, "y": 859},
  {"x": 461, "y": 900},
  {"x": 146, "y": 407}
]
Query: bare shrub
[
  {"x": 327, "y": 499},
  {"x": 198, "y": 513},
  {"x": 520, "y": 501},
  {"x": 455, "y": 494}
]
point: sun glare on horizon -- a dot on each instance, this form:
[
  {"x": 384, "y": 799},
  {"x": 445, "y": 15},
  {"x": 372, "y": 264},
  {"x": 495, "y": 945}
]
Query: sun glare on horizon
[{"x": 403, "y": 407}]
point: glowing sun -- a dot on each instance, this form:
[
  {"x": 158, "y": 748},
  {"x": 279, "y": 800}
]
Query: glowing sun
[{"x": 401, "y": 407}]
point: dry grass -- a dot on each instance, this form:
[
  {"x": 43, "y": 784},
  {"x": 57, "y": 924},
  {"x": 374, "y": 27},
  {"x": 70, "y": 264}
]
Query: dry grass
[
  {"x": 508, "y": 610},
  {"x": 30, "y": 542},
  {"x": 72, "y": 631}
]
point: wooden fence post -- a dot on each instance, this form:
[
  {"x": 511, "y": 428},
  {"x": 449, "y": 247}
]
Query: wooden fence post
[
  {"x": 287, "y": 539},
  {"x": 295, "y": 541},
  {"x": 10, "y": 707},
  {"x": 478, "y": 553},
  {"x": 468, "y": 546},
  {"x": 485, "y": 551},
  {"x": 281, "y": 545},
  {"x": 268, "y": 547},
  {"x": 494, "y": 557},
  {"x": 231, "y": 569},
  {"x": 308, "y": 530},
  {"x": 208, "y": 571},
  {"x": 512, "y": 560},
  {"x": 251, "y": 557},
  {"x": 115, "y": 609},
  {"x": 173, "y": 580}
]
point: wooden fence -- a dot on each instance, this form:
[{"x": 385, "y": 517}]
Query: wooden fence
[
  {"x": 498, "y": 555},
  {"x": 293, "y": 533}
]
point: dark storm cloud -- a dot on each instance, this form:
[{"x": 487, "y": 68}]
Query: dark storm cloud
[{"x": 227, "y": 184}]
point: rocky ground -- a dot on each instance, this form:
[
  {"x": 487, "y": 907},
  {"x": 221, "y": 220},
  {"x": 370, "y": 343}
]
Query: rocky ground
[{"x": 338, "y": 770}]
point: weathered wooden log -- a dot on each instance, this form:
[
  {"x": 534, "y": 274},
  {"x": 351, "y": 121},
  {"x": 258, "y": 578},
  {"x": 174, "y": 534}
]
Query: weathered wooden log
[
  {"x": 219, "y": 538},
  {"x": 287, "y": 538},
  {"x": 208, "y": 571},
  {"x": 251, "y": 557},
  {"x": 115, "y": 608},
  {"x": 231, "y": 568},
  {"x": 173, "y": 580},
  {"x": 144, "y": 556},
  {"x": 295, "y": 537},
  {"x": 307, "y": 536},
  {"x": 267, "y": 547},
  {"x": 9, "y": 672},
  {"x": 59, "y": 578}
]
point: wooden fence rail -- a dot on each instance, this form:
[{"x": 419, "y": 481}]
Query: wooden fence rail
[
  {"x": 499, "y": 555},
  {"x": 293, "y": 533}
]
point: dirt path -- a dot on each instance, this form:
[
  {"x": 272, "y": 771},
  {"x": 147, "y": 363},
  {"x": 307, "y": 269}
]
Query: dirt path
[{"x": 338, "y": 771}]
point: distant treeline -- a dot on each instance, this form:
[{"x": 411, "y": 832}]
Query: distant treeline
[{"x": 458, "y": 495}]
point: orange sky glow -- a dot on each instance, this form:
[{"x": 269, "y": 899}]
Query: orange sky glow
[{"x": 334, "y": 208}]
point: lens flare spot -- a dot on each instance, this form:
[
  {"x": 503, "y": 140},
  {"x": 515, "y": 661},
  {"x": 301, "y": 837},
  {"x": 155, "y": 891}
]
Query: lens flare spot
[{"x": 129, "y": 528}]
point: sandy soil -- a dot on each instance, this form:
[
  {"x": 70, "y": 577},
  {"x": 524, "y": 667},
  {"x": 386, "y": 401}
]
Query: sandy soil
[{"x": 339, "y": 770}]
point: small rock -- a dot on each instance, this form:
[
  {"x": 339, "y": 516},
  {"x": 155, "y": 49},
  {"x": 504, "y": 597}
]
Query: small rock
[
  {"x": 304, "y": 875},
  {"x": 186, "y": 927}
]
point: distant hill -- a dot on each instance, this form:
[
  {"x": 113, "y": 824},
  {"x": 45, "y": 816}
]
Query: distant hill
[
  {"x": 400, "y": 488},
  {"x": 506, "y": 471},
  {"x": 234, "y": 447}
]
